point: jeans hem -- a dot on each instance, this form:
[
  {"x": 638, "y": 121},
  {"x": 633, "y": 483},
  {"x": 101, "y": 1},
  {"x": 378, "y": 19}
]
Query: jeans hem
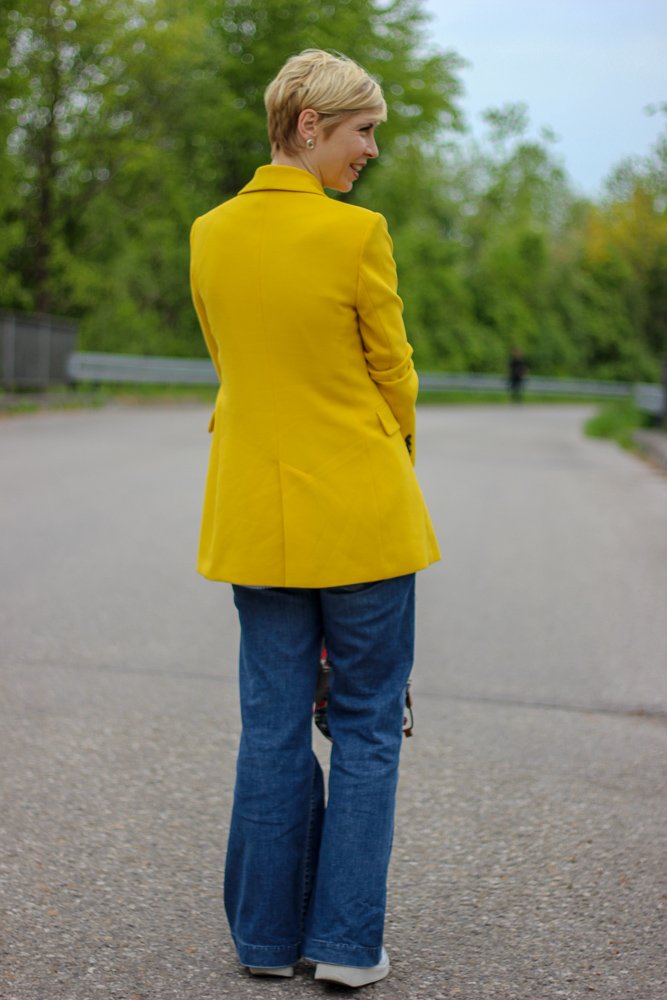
[
  {"x": 342, "y": 954},
  {"x": 267, "y": 956}
]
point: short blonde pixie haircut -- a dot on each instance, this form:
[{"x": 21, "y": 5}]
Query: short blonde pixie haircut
[{"x": 332, "y": 85}]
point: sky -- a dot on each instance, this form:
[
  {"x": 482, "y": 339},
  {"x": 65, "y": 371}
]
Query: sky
[{"x": 585, "y": 68}]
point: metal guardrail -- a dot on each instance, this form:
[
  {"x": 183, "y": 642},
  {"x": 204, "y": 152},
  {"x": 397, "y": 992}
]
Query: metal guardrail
[
  {"x": 649, "y": 397},
  {"x": 99, "y": 367},
  {"x": 453, "y": 381}
]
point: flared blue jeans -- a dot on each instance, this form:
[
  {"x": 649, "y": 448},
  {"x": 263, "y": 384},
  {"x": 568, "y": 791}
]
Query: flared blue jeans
[{"x": 302, "y": 879}]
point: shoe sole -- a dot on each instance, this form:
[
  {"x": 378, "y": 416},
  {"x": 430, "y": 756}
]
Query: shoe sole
[
  {"x": 346, "y": 975},
  {"x": 287, "y": 971}
]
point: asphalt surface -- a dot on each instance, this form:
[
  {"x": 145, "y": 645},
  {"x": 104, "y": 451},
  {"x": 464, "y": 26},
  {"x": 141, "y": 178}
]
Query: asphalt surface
[{"x": 529, "y": 859}]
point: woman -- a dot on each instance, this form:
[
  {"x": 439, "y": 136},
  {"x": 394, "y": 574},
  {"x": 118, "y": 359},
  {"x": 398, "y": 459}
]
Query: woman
[{"x": 313, "y": 512}]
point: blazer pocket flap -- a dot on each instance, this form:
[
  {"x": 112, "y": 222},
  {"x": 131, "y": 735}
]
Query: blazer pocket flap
[{"x": 388, "y": 420}]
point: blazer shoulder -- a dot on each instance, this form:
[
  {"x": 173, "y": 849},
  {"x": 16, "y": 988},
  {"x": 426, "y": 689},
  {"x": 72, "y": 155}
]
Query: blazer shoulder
[
  {"x": 214, "y": 214},
  {"x": 357, "y": 213},
  {"x": 354, "y": 218},
  {"x": 212, "y": 224}
]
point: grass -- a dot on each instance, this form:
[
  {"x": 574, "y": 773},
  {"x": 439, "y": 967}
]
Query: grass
[
  {"x": 618, "y": 422},
  {"x": 89, "y": 395},
  {"x": 147, "y": 392},
  {"x": 456, "y": 396},
  {"x": 10, "y": 406}
]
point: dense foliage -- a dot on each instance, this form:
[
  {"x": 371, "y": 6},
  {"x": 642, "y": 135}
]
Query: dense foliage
[{"x": 121, "y": 120}]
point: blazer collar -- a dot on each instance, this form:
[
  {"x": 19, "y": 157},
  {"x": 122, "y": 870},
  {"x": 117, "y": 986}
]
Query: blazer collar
[{"x": 278, "y": 178}]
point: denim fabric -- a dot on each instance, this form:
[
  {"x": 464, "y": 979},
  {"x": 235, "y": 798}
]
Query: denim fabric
[{"x": 302, "y": 880}]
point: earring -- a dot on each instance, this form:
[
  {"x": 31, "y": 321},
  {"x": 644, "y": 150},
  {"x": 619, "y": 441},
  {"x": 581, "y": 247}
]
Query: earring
[{"x": 310, "y": 143}]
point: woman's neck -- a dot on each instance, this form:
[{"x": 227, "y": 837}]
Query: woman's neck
[{"x": 280, "y": 158}]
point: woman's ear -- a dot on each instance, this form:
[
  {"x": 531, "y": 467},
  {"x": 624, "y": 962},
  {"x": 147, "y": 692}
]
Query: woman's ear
[{"x": 307, "y": 123}]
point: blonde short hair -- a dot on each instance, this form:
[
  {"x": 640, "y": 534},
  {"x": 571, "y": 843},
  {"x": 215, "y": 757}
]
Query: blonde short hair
[{"x": 332, "y": 85}]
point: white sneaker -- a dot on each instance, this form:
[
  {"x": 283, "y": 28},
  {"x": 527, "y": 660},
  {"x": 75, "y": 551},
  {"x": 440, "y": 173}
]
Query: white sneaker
[
  {"x": 273, "y": 970},
  {"x": 352, "y": 975}
]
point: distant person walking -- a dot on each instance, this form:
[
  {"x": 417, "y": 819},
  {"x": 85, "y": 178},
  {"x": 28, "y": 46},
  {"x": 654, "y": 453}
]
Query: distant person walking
[
  {"x": 313, "y": 512},
  {"x": 517, "y": 374}
]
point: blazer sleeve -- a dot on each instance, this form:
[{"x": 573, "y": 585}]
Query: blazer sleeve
[
  {"x": 200, "y": 309},
  {"x": 387, "y": 351}
]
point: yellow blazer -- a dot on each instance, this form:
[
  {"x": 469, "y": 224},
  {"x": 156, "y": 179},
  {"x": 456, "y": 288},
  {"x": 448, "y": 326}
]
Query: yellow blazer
[{"x": 310, "y": 482}]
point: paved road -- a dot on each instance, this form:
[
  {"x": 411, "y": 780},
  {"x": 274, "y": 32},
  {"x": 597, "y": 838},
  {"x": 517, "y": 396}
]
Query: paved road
[{"x": 530, "y": 852}]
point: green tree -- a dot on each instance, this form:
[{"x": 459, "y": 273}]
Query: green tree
[
  {"x": 121, "y": 120},
  {"x": 58, "y": 71},
  {"x": 126, "y": 118}
]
